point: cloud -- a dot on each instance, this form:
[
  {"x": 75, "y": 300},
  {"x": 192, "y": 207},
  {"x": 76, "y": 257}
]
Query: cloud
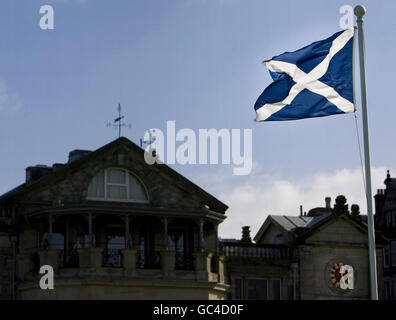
[
  {"x": 8, "y": 101},
  {"x": 261, "y": 194}
]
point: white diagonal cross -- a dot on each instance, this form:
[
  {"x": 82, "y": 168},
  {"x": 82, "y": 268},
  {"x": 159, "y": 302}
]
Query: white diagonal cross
[{"x": 308, "y": 81}]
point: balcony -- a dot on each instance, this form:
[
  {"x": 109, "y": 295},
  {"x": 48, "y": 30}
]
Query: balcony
[
  {"x": 69, "y": 258},
  {"x": 255, "y": 251},
  {"x": 112, "y": 258},
  {"x": 148, "y": 259},
  {"x": 157, "y": 263},
  {"x": 184, "y": 261}
]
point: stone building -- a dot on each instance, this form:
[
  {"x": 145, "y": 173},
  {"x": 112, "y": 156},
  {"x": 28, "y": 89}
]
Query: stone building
[
  {"x": 385, "y": 220},
  {"x": 319, "y": 255},
  {"x": 112, "y": 227}
]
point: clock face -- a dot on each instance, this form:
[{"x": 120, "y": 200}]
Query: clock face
[{"x": 341, "y": 276}]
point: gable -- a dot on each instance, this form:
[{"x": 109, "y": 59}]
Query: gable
[
  {"x": 165, "y": 187},
  {"x": 274, "y": 235},
  {"x": 338, "y": 230}
]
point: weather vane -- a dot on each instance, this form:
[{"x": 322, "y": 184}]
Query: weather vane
[{"x": 118, "y": 122}]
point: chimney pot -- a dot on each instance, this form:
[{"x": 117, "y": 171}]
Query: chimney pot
[
  {"x": 246, "y": 234},
  {"x": 77, "y": 154},
  {"x": 328, "y": 202}
]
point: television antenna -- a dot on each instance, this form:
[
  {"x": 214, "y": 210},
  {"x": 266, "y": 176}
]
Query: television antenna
[
  {"x": 118, "y": 122},
  {"x": 151, "y": 139}
]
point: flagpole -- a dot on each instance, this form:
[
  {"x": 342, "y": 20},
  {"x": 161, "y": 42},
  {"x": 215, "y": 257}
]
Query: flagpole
[{"x": 359, "y": 13}]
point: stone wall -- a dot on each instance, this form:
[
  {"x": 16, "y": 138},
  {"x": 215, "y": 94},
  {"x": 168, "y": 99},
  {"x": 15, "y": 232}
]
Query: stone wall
[
  {"x": 338, "y": 242},
  {"x": 5, "y": 267}
]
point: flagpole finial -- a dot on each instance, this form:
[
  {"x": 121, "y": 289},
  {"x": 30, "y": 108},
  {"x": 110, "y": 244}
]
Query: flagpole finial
[{"x": 359, "y": 11}]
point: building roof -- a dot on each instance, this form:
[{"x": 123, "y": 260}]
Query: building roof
[
  {"x": 57, "y": 175},
  {"x": 301, "y": 227},
  {"x": 290, "y": 223}
]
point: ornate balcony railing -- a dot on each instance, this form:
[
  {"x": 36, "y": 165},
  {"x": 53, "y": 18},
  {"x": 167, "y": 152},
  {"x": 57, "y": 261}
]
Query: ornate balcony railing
[
  {"x": 112, "y": 258},
  {"x": 254, "y": 250},
  {"x": 148, "y": 259},
  {"x": 184, "y": 261},
  {"x": 70, "y": 258}
]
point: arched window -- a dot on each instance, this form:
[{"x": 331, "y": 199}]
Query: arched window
[{"x": 116, "y": 184}]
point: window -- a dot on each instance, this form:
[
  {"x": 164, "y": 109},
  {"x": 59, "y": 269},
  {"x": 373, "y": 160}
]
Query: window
[
  {"x": 387, "y": 290},
  {"x": 394, "y": 218},
  {"x": 257, "y": 289},
  {"x": 115, "y": 184},
  {"x": 393, "y": 253},
  {"x": 237, "y": 289},
  {"x": 386, "y": 257},
  {"x": 276, "y": 289},
  {"x": 393, "y": 290},
  {"x": 115, "y": 242},
  {"x": 53, "y": 241}
]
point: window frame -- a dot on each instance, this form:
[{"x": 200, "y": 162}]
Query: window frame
[
  {"x": 393, "y": 290},
  {"x": 387, "y": 290},
  {"x": 267, "y": 281},
  {"x": 272, "y": 288},
  {"x": 127, "y": 185},
  {"x": 392, "y": 252},
  {"x": 241, "y": 291},
  {"x": 387, "y": 256}
]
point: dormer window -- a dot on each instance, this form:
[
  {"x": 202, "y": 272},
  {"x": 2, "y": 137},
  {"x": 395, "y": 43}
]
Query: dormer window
[{"x": 115, "y": 184}]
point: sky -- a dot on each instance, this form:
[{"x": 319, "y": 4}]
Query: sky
[{"x": 198, "y": 63}]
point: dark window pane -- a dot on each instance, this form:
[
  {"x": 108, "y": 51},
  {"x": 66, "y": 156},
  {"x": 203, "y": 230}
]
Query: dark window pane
[
  {"x": 257, "y": 289},
  {"x": 386, "y": 257},
  {"x": 276, "y": 289},
  {"x": 116, "y": 176},
  {"x": 387, "y": 290},
  {"x": 393, "y": 253},
  {"x": 393, "y": 290},
  {"x": 238, "y": 289}
]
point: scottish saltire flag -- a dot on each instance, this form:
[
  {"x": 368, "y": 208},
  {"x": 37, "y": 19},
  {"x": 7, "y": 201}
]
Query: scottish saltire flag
[{"x": 315, "y": 81}]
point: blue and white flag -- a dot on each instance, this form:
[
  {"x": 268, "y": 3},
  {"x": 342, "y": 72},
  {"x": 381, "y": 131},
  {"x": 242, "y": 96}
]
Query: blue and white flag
[{"x": 315, "y": 81}]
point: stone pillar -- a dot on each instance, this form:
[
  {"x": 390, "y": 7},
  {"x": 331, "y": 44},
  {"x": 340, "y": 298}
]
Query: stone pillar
[
  {"x": 202, "y": 265},
  {"x": 201, "y": 235},
  {"x": 128, "y": 239},
  {"x": 221, "y": 269},
  {"x": 90, "y": 257},
  {"x": 50, "y": 223},
  {"x": 51, "y": 258},
  {"x": 166, "y": 242},
  {"x": 91, "y": 235},
  {"x": 24, "y": 265},
  {"x": 167, "y": 262},
  {"x": 129, "y": 261},
  {"x": 294, "y": 268}
]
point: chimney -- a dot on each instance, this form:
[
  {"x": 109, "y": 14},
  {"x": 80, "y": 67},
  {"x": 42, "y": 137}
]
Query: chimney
[
  {"x": 57, "y": 166},
  {"x": 328, "y": 202},
  {"x": 379, "y": 199},
  {"x": 77, "y": 154},
  {"x": 301, "y": 210},
  {"x": 246, "y": 235},
  {"x": 37, "y": 172}
]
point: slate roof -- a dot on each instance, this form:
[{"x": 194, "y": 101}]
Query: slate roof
[{"x": 289, "y": 223}]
